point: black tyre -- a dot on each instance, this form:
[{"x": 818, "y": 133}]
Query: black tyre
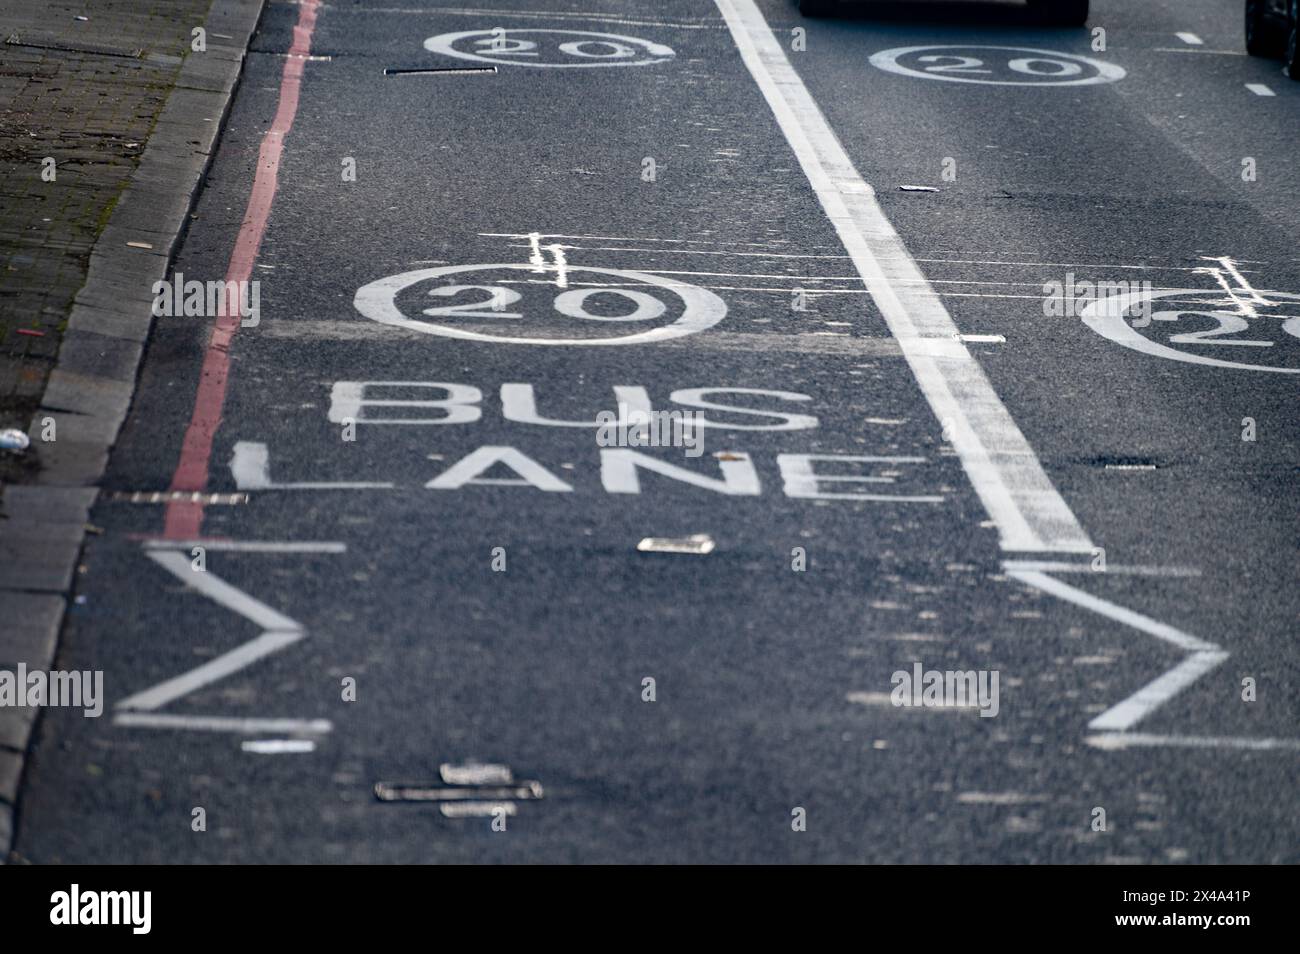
[
  {"x": 1264, "y": 36},
  {"x": 1060, "y": 12},
  {"x": 1291, "y": 58},
  {"x": 817, "y": 8}
]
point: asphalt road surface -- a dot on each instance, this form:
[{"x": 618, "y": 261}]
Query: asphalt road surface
[{"x": 424, "y": 620}]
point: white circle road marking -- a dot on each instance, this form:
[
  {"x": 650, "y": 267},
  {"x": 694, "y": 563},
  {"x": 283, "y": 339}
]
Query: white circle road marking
[
  {"x": 968, "y": 68},
  {"x": 703, "y": 309},
  {"x": 1107, "y": 317},
  {"x": 583, "y": 48}
]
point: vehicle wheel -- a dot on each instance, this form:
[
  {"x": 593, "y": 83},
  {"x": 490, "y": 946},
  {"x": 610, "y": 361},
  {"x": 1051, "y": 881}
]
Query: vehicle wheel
[
  {"x": 1263, "y": 38},
  {"x": 1291, "y": 60},
  {"x": 817, "y": 8},
  {"x": 1060, "y": 12}
]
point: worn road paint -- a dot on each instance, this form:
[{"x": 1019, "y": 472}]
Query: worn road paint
[
  {"x": 1259, "y": 89},
  {"x": 1028, "y": 512}
]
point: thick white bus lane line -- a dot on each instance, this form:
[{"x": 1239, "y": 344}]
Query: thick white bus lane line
[{"x": 1029, "y": 513}]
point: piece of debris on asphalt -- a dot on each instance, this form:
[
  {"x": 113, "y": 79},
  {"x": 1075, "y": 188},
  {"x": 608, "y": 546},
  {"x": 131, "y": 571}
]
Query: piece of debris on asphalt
[
  {"x": 916, "y": 188},
  {"x": 700, "y": 543},
  {"x": 14, "y": 440}
]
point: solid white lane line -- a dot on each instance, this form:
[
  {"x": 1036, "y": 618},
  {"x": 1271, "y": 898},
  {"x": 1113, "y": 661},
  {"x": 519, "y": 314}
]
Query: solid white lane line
[
  {"x": 938, "y": 261},
  {"x": 250, "y": 546},
  {"x": 1112, "y": 569},
  {"x": 161, "y": 720},
  {"x": 1124, "y": 740},
  {"x": 1006, "y": 474}
]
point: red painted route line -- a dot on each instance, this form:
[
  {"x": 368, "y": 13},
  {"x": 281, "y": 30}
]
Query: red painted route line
[{"x": 184, "y": 519}]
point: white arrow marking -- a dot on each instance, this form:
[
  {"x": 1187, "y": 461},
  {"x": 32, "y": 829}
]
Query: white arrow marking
[
  {"x": 1204, "y": 655},
  {"x": 280, "y": 631}
]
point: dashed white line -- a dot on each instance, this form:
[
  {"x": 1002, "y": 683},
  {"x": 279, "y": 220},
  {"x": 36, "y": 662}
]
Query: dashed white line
[
  {"x": 1191, "y": 39},
  {"x": 278, "y": 746},
  {"x": 1259, "y": 89},
  {"x": 1124, "y": 740}
]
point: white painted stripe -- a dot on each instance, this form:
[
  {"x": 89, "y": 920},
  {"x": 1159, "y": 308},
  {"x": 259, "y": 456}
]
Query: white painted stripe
[
  {"x": 1156, "y": 693},
  {"x": 1259, "y": 89},
  {"x": 561, "y": 265},
  {"x": 161, "y": 720},
  {"x": 278, "y": 746},
  {"x": 477, "y": 809},
  {"x": 1029, "y": 513},
  {"x": 250, "y": 546},
  {"x": 221, "y": 592},
  {"x": 1191, "y": 39},
  {"x": 886, "y": 700},
  {"x": 586, "y": 16},
  {"x": 934, "y": 261},
  {"x": 1183, "y": 49},
  {"x": 1118, "y": 613},
  {"x": 1124, "y": 740},
  {"x": 158, "y": 696},
  {"x": 476, "y": 773},
  {"x": 983, "y": 339},
  {"x": 1112, "y": 569}
]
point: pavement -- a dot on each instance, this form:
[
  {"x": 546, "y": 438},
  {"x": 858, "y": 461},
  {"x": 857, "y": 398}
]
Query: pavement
[{"x": 373, "y": 586}]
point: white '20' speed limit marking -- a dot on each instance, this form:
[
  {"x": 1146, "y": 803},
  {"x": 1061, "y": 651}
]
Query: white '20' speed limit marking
[
  {"x": 1215, "y": 326},
  {"x": 563, "y": 49},
  {"x": 452, "y": 300},
  {"x": 996, "y": 65}
]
